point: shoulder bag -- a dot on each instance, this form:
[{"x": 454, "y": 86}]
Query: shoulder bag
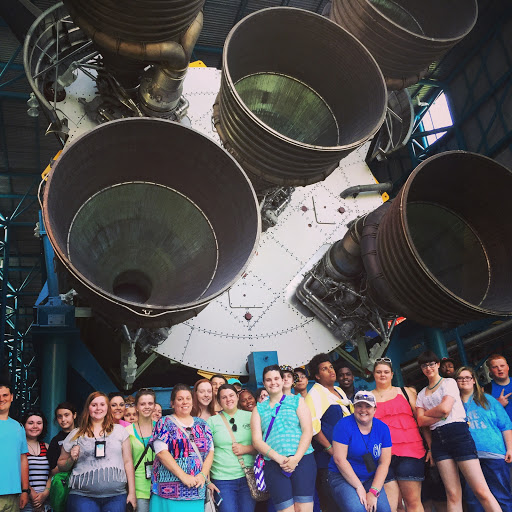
[
  {"x": 259, "y": 462},
  {"x": 256, "y": 494}
]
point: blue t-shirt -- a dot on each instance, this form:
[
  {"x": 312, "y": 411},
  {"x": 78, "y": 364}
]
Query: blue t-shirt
[
  {"x": 496, "y": 392},
  {"x": 486, "y": 425},
  {"x": 14, "y": 445},
  {"x": 347, "y": 432}
]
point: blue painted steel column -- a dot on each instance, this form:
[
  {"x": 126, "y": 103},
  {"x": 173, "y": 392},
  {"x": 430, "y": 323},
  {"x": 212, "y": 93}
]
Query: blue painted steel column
[
  {"x": 394, "y": 352},
  {"x": 462, "y": 348},
  {"x": 3, "y": 295},
  {"x": 436, "y": 342},
  {"x": 257, "y": 362},
  {"x": 55, "y": 351}
]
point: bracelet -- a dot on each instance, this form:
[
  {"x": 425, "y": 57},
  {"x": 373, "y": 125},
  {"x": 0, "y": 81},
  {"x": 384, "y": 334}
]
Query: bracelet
[
  {"x": 268, "y": 451},
  {"x": 204, "y": 476},
  {"x": 375, "y": 489},
  {"x": 328, "y": 448}
]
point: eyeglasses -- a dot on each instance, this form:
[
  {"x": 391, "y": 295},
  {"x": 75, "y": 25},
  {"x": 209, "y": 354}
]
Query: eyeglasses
[
  {"x": 383, "y": 360},
  {"x": 234, "y": 428},
  {"x": 464, "y": 379},
  {"x": 428, "y": 365}
]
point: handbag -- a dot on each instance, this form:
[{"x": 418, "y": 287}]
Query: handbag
[
  {"x": 209, "y": 504},
  {"x": 259, "y": 462},
  {"x": 256, "y": 494}
]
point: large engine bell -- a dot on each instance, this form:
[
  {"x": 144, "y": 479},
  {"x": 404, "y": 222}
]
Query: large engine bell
[
  {"x": 151, "y": 219},
  {"x": 298, "y": 93}
]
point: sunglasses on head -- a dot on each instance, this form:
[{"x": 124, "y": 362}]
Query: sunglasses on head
[{"x": 383, "y": 360}]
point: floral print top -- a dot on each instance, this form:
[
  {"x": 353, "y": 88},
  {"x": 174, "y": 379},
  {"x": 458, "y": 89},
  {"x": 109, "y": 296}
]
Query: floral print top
[{"x": 164, "y": 483}]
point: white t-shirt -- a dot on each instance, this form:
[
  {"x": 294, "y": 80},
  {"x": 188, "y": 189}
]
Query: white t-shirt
[{"x": 447, "y": 387}]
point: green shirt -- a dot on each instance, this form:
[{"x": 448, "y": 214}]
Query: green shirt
[
  {"x": 225, "y": 463},
  {"x": 142, "y": 484}
]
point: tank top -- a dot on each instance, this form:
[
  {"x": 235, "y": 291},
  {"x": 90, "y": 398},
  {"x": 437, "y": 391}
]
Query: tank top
[
  {"x": 38, "y": 469},
  {"x": 405, "y": 435}
]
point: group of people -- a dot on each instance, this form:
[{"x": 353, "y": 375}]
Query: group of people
[{"x": 329, "y": 448}]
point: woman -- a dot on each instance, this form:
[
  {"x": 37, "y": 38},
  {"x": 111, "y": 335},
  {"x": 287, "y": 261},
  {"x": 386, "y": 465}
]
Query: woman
[
  {"x": 217, "y": 381},
  {"x": 99, "y": 456},
  {"x": 246, "y": 400},
  {"x": 130, "y": 413},
  {"x": 362, "y": 453},
  {"x": 439, "y": 407},
  {"x": 38, "y": 465},
  {"x": 65, "y": 416},
  {"x": 290, "y": 468},
  {"x": 140, "y": 433},
  {"x": 261, "y": 395},
  {"x": 288, "y": 379},
  {"x": 184, "y": 448},
  {"x": 327, "y": 404},
  {"x": 227, "y": 474},
  {"x": 491, "y": 429},
  {"x": 202, "y": 399},
  {"x": 407, "y": 453},
  {"x": 157, "y": 413},
  {"x": 118, "y": 407}
]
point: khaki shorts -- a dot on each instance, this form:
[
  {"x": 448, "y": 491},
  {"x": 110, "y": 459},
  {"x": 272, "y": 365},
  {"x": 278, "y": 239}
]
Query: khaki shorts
[{"x": 10, "y": 503}]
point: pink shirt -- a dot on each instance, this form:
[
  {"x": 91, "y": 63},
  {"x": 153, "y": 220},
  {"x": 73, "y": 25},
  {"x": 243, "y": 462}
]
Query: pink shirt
[{"x": 405, "y": 435}]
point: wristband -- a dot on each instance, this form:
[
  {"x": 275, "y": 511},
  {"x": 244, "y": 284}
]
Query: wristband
[
  {"x": 204, "y": 476},
  {"x": 328, "y": 448},
  {"x": 375, "y": 491},
  {"x": 268, "y": 451}
]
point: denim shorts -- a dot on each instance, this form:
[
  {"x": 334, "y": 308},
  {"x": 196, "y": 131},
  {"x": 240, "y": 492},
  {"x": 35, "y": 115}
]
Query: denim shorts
[
  {"x": 406, "y": 468},
  {"x": 298, "y": 488},
  {"x": 453, "y": 441}
]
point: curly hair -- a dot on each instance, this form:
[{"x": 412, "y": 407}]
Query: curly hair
[{"x": 315, "y": 363}]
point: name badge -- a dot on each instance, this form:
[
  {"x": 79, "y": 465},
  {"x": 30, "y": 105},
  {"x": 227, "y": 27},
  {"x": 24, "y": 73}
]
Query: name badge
[
  {"x": 99, "y": 449},
  {"x": 149, "y": 469}
]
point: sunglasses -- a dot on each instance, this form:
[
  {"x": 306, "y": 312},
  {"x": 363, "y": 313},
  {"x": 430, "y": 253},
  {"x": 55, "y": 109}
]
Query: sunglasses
[
  {"x": 383, "y": 360},
  {"x": 234, "y": 428},
  {"x": 428, "y": 365}
]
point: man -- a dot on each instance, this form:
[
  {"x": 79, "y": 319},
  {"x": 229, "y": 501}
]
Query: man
[
  {"x": 500, "y": 387},
  {"x": 301, "y": 386},
  {"x": 346, "y": 381},
  {"x": 328, "y": 404},
  {"x": 14, "y": 466},
  {"x": 447, "y": 368}
]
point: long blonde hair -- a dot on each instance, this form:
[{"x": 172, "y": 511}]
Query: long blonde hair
[
  {"x": 85, "y": 424},
  {"x": 478, "y": 392}
]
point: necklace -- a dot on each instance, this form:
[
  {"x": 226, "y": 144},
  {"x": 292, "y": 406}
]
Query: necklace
[
  {"x": 435, "y": 385},
  {"x": 382, "y": 393},
  {"x": 33, "y": 450}
]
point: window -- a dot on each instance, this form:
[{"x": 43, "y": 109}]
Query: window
[{"x": 437, "y": 116}]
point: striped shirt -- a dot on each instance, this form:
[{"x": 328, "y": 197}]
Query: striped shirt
[{"x": 38, "y": 469}]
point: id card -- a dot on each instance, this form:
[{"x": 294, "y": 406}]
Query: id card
[
  {"x": 369, "y": 462},
  {"x": 99, "y": 449},
  {"x": 149, "y": 469}
]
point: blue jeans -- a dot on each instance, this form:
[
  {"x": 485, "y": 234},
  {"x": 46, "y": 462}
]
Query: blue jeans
[
  {"x": 347, "y": 498},
  {"x": 497, "y": 475},
  {"x": 235, "y": 495},
  {"x": 77, "y": 503}
]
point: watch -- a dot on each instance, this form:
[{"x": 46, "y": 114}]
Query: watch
[
  {"x": 374, "y": 491},
  {"x": 26, "y": 490}
]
